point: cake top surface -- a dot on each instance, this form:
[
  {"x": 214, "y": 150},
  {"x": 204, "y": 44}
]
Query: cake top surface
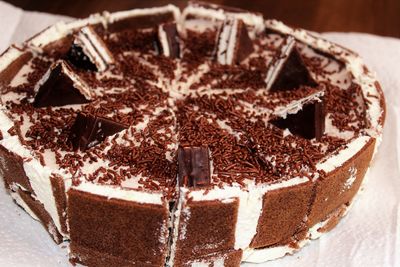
[{"x": 196, "y": 99}]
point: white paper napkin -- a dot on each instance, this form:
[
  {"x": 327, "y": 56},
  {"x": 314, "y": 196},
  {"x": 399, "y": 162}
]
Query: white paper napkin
[{"x": 368, "y": 236}]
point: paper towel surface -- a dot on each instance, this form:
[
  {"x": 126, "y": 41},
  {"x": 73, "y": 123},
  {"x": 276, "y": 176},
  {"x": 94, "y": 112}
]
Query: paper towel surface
[{"x": 368, "y": 236}]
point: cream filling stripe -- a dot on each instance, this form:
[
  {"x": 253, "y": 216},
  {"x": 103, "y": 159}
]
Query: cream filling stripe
[{"x": 115, "y": 192}]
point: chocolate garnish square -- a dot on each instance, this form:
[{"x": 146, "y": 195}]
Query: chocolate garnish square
[
  {"x": 288, "y": 71},
  {"x": 168, "y": 41},
  {"x": 233, "y": 42},
  {"x": 193, "y": 166},
  {"x": 60, "y": 86},
  {"x": 309, "y": 122},
  {"x": 89, "y": 130}
]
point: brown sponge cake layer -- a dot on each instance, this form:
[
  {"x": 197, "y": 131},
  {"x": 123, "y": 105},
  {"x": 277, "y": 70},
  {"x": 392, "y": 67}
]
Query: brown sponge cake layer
[
  {"x": 340, "y": 185},
  {"x": 12, "y": 170},
  {"x": 132, "y": 232},
  {"x": 283, "y": 213},
  {"x": 205, "y": 227}
]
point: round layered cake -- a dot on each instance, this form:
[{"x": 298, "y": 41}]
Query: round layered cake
[{"x": 203, "y": 137}]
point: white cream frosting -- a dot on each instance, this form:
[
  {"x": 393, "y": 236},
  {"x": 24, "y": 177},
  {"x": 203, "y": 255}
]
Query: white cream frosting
[
  {"x": 9, "y": 56},
  {"x": 143, "y": 12},
  {"x": 116, "y": 192},
  {"x": 60, "y": 30},
  {"x": 353, "y": 147},
  {"x": 164, "y": 41},
  {"x": 15, "y": 195}
]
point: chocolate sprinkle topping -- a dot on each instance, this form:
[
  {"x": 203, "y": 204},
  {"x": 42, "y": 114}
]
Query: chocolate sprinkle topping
[{"x": 151, "y": 117}]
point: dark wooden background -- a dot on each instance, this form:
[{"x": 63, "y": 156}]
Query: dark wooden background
[{"x": 373, "y": 16}]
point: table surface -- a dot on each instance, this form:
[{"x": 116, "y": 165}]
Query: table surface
[{"x": 372, "y": 16}]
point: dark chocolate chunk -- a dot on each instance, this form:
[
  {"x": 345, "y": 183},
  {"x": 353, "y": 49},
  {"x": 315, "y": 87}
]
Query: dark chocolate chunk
[
  {"x": 288, "y": 71},
  {"x": 58, "y": 88},
  {"x": 77, "y": 57},
  {"x": 168, "y": 42},
  {"x": 234, "y": 44},
  {"x": 308, "y": 123},
  {"x": 90, "y": 130},
  {"x": 194, "y": 166}
]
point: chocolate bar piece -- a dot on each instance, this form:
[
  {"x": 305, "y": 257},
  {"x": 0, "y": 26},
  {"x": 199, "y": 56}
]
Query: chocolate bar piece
[
  {"x": 288, "y": 70},
  {"x": 234, "y": 44},
  {"x": 89, "y": 52},
  {"x": 90, "y": 130},
  {"x": 194, "y": 166},
  {"x": 168, "y": 40},
  {"x": 60, "y": 86},
  {"x": 308, "y": 123}
]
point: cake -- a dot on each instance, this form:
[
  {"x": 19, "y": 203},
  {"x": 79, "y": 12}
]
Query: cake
[{"x": 203, "y": 137}]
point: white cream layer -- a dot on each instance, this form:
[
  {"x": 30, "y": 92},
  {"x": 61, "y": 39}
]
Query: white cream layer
[
  {"x": 116, "y": 192},
  {"x": 335, "y": 161}
]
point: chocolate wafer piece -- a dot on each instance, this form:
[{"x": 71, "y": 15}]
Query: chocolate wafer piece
[
  {"x": 60, "y": 86},
  {"x": 288, "y": 71},
  {"x": 308, "y": 123},
  {"x": 234, "y": 44},
  {"x": 194, "y": 166},
  {"x": 90, "y": 130},
  {"x": 89, "y": 52},
  {"x": 168, "y": 43}
]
